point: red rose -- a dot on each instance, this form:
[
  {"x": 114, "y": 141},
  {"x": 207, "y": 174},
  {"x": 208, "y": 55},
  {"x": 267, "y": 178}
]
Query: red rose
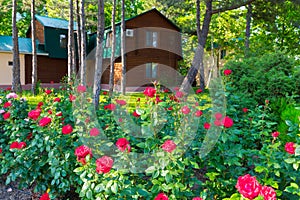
[
  {"x": 138, "y": 99},
  {"x": 161, "y": 196},
  {"x": 21, "y": 145},
  {"x": 149, "y": 92},
  {"x": 81, "y": 88},
  {"x": 47, "y": 91},
  {"x": 157, "y": 100},
  {"x": 121, "y": 102},
  {"x": 227, "y": 122},
  {"x": 57, "y": 99},
  {"x": 245, "y": 110},
  {"x": 110, "y": 106},
  {"x": 1, "y": 150},
  {"x": 7, "y": 104},
  {"x": 81, "y": 152},
  {"x": 275, "y": 134},
  {"x": 67, "y": 129},
  {"x": 29, "y": 136},
  {"x": 198, "y": 91},
  {"x": 123, "y": 144},
  {"x": 34, "y": 114},
  {"x": 104, "y": 93},
  {"x": 104, "y": 164},
  {"x": 170, "y": 108},
  {"x": 72, "y": 97},
  {"x": 206, "y": 125},
  {"x": 248, "y": 186},
  {"x": 94, "y": 132},
  {"x": 165, "y": 90},
  {"x": 8, "y": 89},
  {"x": 135, "y": 114},
  {"x": 45, "y": 196},
  {"x": 217, "y": 123},
  {"x": 227, "y": 72},
  {"x": 179, "y": 94},
  {"x": 290, "y": 147},
  {"x": 218, "y": 116},
  {"x": 58, "y": 114},
  {"x": 185, "y": 110},
  {"x": 14, "y": 145},
  {"x": 268, "y": 193},
  {"x": 6, "y": 115},
  {"x": 168, "y": 146},
  {"x": 40, "y": 104},
  {"x": 44, "y": 121},
  {"x": 197, "y": 198},
  {"x": 198, "y": 113}
]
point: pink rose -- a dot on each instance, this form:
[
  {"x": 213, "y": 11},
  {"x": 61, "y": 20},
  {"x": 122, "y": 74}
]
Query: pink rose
[
  {"x": 198, "y": 91},
  {"x": 168, "y": 146},
  {"x": 104, "y": 164},
  {"x": 268, "y": 193},
  {"x": 179, "y": 94},
  {"x": 81, "y": 152},
  {"x": 121, "y": 102},
  {"x": 290, "y": 147},
  {"x": 245, "y": 110},
  {"x": 218, "y": 116},
  {"x": 275, "y": 134},
  {"x": 94, "y": 132},
  {"x": 6, "y": 115},
  {"x": 227, "y": 122},
  {"x": 248, "y": 186},
  {"x": 217, "y": 123},
  {"x": 67, "y": 129},
  {"x": 161, "y": 196},
  {"x": 44, "y": 121},
  {"x": 14, "y": 145},
  {"x": 7, "y": 104},
  {"x": 185, "y": 110},
  {"x": 198, "y": 113},
  {"x": 197, "y": 198},
  {"x": 81, "y": 89},
  {"x": 206, "y": 125},
  {"x": 227, "y": 72},
  {"x": 47, "y": 91},
  {"x": 123, "y": 144},
  {"x": 34, "y": 114},
  {"x": 149, "y": 92},
  {"x": 72, "y": 98}
]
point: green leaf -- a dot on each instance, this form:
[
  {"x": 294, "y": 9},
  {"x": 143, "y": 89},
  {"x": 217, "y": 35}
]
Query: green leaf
[
  {"x": 260, "y": 169},
  {"x": 89, "y": 194},
  {"x": 78, "y": 169},
  {"x": 150, "y": 169},
  {"x": 114, "y": 188},
  {"x": 290, "y": 160},
  {"x": 143, "y": 192},
  {"x": 297, "y": 151}
]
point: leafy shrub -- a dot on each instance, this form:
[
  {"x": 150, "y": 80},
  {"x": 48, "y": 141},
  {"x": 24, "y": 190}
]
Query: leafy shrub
[{"x": 264, "y": 77}]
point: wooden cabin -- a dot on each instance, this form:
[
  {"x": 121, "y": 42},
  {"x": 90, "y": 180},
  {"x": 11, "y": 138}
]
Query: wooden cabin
[{"x": 153, "y": 49}]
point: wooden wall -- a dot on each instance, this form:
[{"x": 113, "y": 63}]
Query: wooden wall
[{"x": 49, "y": 69}]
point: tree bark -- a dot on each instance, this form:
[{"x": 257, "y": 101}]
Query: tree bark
[
  {"x": 78, "y": 36},
  {"x": 112, "y": 56},
  {"x": 71, "y": 60},
  {"x": 248, "y": 29},
  {"x": 83, "y": 45},
  {"x": 99, "y": 53},
  {"x": 123, "y": 43},
  {"x": 198, "y": 58},
  {"x": 34, "y": 53},
  {"x": 16, "y": 82}
]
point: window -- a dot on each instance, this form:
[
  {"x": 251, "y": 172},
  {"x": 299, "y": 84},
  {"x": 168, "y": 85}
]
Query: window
[
  {"x": 151, "y": 70},
  {"x": 108, "y": 39},
  {"x": 151, "y": 39},
  {"x": 63, "y": 40},
  {"x": 10, "y": 63}
]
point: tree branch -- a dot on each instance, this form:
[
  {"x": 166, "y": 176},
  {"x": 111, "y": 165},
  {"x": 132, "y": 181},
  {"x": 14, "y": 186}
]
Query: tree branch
[{"x": 232, "y": 7}]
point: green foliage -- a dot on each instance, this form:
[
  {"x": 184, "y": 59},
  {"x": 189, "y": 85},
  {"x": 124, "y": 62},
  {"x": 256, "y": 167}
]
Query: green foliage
[{"x": 264, "y": 77}]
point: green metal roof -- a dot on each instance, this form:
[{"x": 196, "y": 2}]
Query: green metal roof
[
  {"x": 25, "y": 45},
  {"x": 54, "y": 22}
]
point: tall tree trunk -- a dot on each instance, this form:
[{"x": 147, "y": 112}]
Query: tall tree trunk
[
  {"x": 71, "y": 63},
  {"x": 123, "y": 42},
  {"x": 78, "y": 35},
  {"x": 99, "y": 53},
  {"x": 16, "y": 82},
  {"x": 112, "y": 57},
  {"x": 248, "y": 29},
  {"x": 201, "y": 71},
  {"x": 34, "y": 56},
  {"x": 82, "y": 46},
  {"x": 198, "y": 58}
]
